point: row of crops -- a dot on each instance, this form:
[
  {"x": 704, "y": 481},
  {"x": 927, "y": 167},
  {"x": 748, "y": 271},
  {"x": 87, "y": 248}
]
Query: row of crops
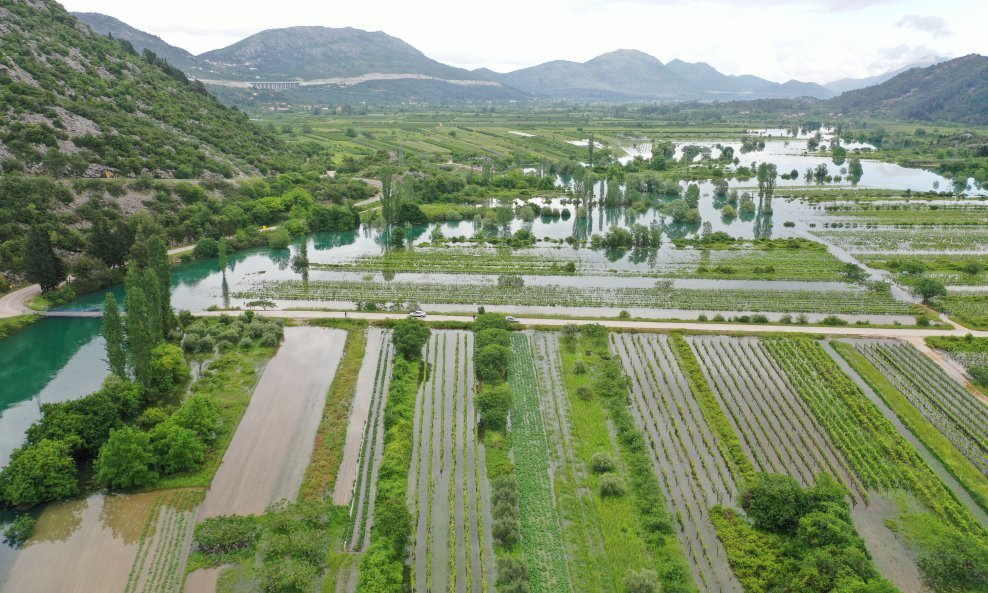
[
  {"x": 907, "y": 239},
  {"x": 789, "y": 301},
  {"x": 164, "y": 543},
  {"x": 956, "y": 413},
  {"x": 777, "y": 431},
  {"x": 880, "y": 456},
  {"x": 541, "y": 537},
  {"x": 688, "y": 457},
  {"x": 448, "y": 493},
  {"x": 783, "y": 264},
  {"x": 912, "y": 214},
  {"x": 372, "y": 451}
]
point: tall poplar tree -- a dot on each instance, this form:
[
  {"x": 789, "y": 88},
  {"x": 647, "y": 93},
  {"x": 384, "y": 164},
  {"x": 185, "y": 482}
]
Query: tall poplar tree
[
  {"x": 159, "y": 262},
  {"x": 113, "y": 333},
  {"x": 139, "y": 336},
  {"x": 152, "y": 292}
]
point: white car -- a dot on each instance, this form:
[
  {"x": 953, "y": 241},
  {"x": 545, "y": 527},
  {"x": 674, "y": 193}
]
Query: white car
[
  {"x": 511, "y": 319},
  {"x": 417, "y": 314}
]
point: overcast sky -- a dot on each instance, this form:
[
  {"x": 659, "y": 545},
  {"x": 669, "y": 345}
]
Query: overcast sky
[{"x": 811, "y": 40}]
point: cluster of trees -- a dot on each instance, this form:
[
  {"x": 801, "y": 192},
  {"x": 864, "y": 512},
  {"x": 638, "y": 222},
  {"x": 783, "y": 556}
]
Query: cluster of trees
[
  {"x": 797, "y": 538},
  {"x": 639, "y": 237}
]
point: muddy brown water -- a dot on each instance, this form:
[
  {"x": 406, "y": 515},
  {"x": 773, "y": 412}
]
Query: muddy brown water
[
  {"x": 267, "y": 457},
  {"x": 357, "y": 425},
  {"x": 82, "y": 546}
]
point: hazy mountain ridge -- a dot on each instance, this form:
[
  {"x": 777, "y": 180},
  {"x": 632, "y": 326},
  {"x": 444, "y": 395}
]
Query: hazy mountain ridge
[
  {"x": 955, "y": 90},
  {"x": 108, "y": 25},
  {"x": 79, "y": 104}
]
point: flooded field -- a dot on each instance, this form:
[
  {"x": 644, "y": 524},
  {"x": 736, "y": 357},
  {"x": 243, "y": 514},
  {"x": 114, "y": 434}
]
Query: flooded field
[
  {"x": 266, "y": 459},
  {"x": 104, "y": 543}
]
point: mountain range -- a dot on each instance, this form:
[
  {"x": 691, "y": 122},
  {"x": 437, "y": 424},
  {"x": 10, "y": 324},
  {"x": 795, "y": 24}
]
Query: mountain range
[
  {"x": 341, "y": 59},
  {"x": 329, "y": 66}
]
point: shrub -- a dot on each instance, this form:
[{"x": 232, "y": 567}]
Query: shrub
[
  {"x": 201, "y": 415},
  {"x": 612, "y": 485},
  {"x": 601, "y": 463},
  {"x": 579, "y": 368},
  {"x": 178, "y": 449},
  {"x": 774, "y": 502},
  {"x": 491, "y": 363},
  {"x": 409, "y": 337},
  {"x": 206, "y": 248},
  {"x": 170, "y": 375},
  {"x": 494, "y": 403},
  {"x": 278, "y": 239},
  {"x": 490, "y": 321},
  {"x": 39, "y": 472},
  {"x": 486, "y": 337},
  {"x": 226, "y": 534},
  {"x": 641, "y": 581},
  {"x": 833, "y": 320},
  {"x": 512, "y": 575},
  {"x": 126, "y": 461},
  {"x": 584, "y": 392},
  {"x": 19, "y": 531}
]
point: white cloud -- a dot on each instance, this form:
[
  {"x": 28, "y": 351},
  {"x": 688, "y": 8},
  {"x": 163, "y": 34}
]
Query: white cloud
[{"x": 934, "y": 25}]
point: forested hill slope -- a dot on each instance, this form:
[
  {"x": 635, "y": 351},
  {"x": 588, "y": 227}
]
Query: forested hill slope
[
  {"x": 956, "y": 90},
  {"x": 113, "y": 27},
  {"x": 74, "y": 103}
]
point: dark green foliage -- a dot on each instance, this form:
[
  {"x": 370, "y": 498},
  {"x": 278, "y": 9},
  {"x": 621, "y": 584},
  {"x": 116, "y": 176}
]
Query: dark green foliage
[
  {"x": 612, "y": 485},
  {"x": 38, "y": 472},
  {"x": 774, "y": 502},
  {"x": 206, "y": 248},
  {"x": 490, "y": 321},
  {"x": 126, "y": 461},
  {"x": 226, "y": 535},
  {"x": 382, "y": 566},
  {"x": 641, "y": 581},
  {"x": 293, "y": 545},
  {"x": 928, "y": 288},
  {"x": 152, "y": 292},
  {"x": 19, "y": 531},
  {"x": 494, "y": 403},
  {"x": 506, "y": 513},
  {"x": 333, "y": 218},
  {"x": 487, "y": 337},
  {"x": 409, "y": 213},
  {"x": 140, "y": 336},
  {"x": 491, "y": 363},
  {"x": 798, "y": 539},
  {"x": 512, "y": 575},
  {"x": 113, "y": 333},
  {"x": 956, "y": 564},
  {"x": 201, "y": 415},
  {"x": 159, "y": 263},
  {"x": 409, "y": 337},
  {"x": 41, "y": 263},
  {"x": 176, "y": 449}
]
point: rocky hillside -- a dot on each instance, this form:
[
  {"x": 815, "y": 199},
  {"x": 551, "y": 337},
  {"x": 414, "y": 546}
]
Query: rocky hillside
[
  {"x": 955, "y": 90},
  {"x": 75, "y": 103},
  {"x": 112, "y": 27}
]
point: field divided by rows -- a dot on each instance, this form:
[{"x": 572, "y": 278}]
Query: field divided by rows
[
  {"x": 372, "y": 448},
  {"x": 164, "y": 543},
  {"x": 778, "y": 433},
  {"x": 881, "y": 457},
  {"x": 953, "y": 410},
  {"x": 694, "y": 472},
  {"x": 850, "y": 302},
  {"x": 541, "y": 537},
  {"x": 449, "y": 496}
]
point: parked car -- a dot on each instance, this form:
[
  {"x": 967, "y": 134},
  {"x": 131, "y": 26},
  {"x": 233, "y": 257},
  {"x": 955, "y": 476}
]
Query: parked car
[
  {"x": 511, "y": 319},
  {"x": 417, "y": 314}
]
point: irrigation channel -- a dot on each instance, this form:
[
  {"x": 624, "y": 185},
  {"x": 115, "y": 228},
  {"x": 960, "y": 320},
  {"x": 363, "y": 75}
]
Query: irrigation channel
[{"x": 448, "y": 492}]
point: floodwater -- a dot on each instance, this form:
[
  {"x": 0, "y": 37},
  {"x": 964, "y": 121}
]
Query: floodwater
[
  {"x": 81, "y": 546},
  {"x": 267, "y": 457}
]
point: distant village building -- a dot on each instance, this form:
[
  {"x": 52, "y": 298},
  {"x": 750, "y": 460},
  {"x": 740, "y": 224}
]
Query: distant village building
[{"x": 275, "y": 86}]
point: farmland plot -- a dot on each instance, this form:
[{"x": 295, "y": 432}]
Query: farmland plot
[
  {"x": 953, "y": 410},
  {"x": 541, "y": 539},
  {"x": 776, "y": 430},
  {"x": 449, "y": 496},
  {"x": 694, "y": 471},
  {"x": 372, "y": 385}
]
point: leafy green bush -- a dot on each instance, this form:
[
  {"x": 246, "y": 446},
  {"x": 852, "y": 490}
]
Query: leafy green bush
[
  {"x": 126, "y": 460},
  {"x": 774, "y": 502},
  {"x": 227, "y": 534},
  {"x": 39, "y": 472},
  {"x": 601, "y": 463},
  {"x": 494, "y": 404},
  {"x": 409, "y": 337},
  {"x": 19, "y": 531},
  {"x": 206, "y": 248},
  {"x": 612, "y": 485},
  {"x": 491, "y": 363}
]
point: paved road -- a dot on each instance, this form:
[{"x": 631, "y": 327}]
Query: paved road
[
  {"x": 13, "y": 304},
  {"x": 847, "y": 330}
]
